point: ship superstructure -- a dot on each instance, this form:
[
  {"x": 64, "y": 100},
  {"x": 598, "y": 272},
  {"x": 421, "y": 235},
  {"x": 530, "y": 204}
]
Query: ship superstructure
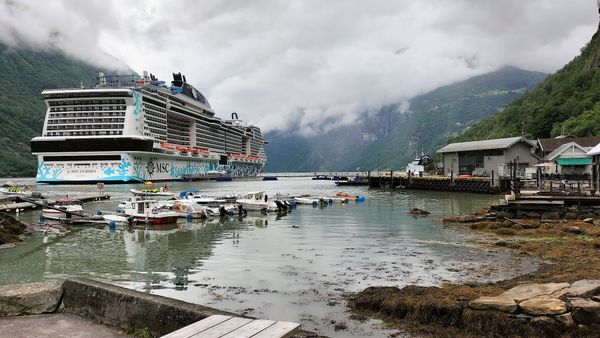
[{"x": 128, "y": 129}]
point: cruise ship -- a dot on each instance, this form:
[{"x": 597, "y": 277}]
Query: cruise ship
[{"x": 132, "y": 129}]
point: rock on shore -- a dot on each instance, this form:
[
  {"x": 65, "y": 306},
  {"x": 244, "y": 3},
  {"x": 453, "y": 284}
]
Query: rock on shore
[
  {"x": 549, "y": 303},
  {"x": 29, "y": 299},
  {"x": 10, "y": 229}
]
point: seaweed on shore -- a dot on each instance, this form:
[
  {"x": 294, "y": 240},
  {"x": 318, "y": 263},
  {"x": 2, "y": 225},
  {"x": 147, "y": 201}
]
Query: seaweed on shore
[{"x": 571, "y": 250}]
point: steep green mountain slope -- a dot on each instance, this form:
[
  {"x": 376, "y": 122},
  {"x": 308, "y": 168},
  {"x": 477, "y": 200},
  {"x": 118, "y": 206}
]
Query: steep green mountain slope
[
  {"x": 24, "y": 74},
  {"x": 567, "y": 102},
  {"x": 394, "y": 138}
]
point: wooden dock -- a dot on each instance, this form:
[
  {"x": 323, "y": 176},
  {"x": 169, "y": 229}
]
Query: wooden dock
[
  {"x": 220, "y": 326},
  {"x": 438, "y": 183},
  {"x": 15, "y": 203}
]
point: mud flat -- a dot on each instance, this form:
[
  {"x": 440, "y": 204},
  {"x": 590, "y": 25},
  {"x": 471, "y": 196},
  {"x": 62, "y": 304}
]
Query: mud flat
[{"x": 540, "y": 303}]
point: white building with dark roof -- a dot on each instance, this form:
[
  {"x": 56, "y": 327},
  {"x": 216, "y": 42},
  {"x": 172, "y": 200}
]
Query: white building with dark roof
[{"x": 482, "y": 157}]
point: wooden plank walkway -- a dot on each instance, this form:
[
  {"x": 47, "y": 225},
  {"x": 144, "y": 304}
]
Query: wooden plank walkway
[{"x": 219, "y": 326}]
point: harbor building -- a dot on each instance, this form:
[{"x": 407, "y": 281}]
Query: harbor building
[
  {"x": 481, "y": 158},
  {"x": 570, "y": 159}
]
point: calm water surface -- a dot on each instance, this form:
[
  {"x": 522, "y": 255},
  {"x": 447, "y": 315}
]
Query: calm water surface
[{"x": 265, "y": 266}]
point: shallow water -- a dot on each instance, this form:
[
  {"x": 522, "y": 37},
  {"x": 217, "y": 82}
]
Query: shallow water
[{"x": 295, "y": 267}]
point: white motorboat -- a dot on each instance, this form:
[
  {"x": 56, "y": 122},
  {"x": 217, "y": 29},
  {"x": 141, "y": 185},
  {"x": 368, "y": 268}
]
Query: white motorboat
[
  {"x": 151, "y": 211},
  {"x": 63, "y": 207},
  {"x": 257, "y": 201},
  {"x": 197, "y": 197}
]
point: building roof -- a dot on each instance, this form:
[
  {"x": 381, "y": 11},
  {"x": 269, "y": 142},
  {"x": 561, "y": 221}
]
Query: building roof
[
  {"x": 595, "y": 151},
  {"x": 499, "y": 143},
  {"x": 565, "y": 147},
  {"x": 550, "y": 144}
]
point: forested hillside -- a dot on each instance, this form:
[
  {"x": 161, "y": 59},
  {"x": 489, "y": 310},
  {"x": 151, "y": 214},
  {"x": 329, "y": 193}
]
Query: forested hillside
[
  {"x": 395, "y": 137},
  {"x": 24, "y": 74},
  {"x": 567, "y": 102}
]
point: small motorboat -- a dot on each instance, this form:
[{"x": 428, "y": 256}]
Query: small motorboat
[
  {"x": 350, "y": 197},
  {"x": 150, "y": 211},
  {"x": 258, "y": 201},
  {"x": 269, "y": 178},
  {"x": 63, "y": 208},
  {"x": 197, "y": 197}
]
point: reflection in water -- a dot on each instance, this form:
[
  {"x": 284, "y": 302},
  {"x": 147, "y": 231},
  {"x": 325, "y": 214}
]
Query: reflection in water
[{"x": 292, "y": 266}]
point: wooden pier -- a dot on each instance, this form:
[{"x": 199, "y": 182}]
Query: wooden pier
[
  {"x": 16, "y": 203},
  {"x": 222, "y": 326},
  {"x": 485, "y": 185}
]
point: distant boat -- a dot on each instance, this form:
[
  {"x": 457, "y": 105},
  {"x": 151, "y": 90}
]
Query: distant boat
[
  {"x": 321, "y": 178},
  {"x": 270, "y": 178}
]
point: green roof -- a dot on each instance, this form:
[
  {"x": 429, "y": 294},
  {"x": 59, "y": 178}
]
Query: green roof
[{"x": 575, "y": 161}]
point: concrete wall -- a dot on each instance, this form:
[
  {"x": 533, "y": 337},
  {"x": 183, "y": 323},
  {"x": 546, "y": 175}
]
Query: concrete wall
[
  {"x": 520, "y": 152},
  {"x": 450, "y": 161},
  {"x": 490, "y": 163}
]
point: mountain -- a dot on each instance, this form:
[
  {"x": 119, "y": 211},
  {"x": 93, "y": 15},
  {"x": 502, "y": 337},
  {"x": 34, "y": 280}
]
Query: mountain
[
  {"x": 392, "y": 136},
  {"x": 566, "y": 102},
  {"x": 25, "y": 73}
]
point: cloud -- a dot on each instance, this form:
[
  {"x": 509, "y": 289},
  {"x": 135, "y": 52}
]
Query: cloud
[{"x": 308, "y": 64}]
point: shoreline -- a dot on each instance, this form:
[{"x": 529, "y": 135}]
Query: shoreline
[{"x": 569, "y": 250}]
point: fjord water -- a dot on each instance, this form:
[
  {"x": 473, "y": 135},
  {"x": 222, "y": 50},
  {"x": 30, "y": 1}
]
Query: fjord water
[{"x": 295, "y": 267}]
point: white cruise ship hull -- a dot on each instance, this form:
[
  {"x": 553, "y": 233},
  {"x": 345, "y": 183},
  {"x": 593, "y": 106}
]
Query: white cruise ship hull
[{"x": 138, "y": 167}]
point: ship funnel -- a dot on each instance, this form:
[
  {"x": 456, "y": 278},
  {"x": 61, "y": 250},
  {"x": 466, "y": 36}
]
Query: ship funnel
[
  {"x": 146, "y": 76},
  {"x": 234, "y": 116},
  {"x": 101, "y": 79}
]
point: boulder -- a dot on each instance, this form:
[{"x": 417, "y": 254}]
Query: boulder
[
  {"x": 418, "y": 212},
  {"x": 574, "y": 230},
  {"x": 586, "y": 312},
  {"x": 543, "y": 306},
  {"x": 543, "y": 319},
  {"x": 522, "y": 292},
  {"x": 584, "y": 288},
  {"x": 497, "y": 303},
  {"x": 589, "y": 220},
  {"x": 595, "y": 298},
  {"x": 566, "y": 319},
  {"x": 551, "y": 215},
  {"x": 28, "y": 299}
]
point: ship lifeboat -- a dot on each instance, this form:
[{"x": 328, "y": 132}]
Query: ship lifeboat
[
  {"x": 193, "y": 151},
  {"x": 167, "y": 146},
  {"x": 140, "y": 81},
  {"x": 203, "y": 151},
  {"x": 181, "y": 149}
]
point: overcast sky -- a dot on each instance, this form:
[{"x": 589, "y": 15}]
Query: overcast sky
[{"x": 283, "y": 63}]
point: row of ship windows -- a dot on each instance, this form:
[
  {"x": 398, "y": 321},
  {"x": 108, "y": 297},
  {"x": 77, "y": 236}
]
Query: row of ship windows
[
  {"x": 155, "y": 119},
  {"x": 84, "y": 133},
  {"x": 93, "y": 126},
  {"x": 154, "y": 113},
  {"x": 91, "y": 120},
  {"x": 157, "y": 131},
  {"x": 87, "y": 108},
  {"x": 84, "y": 102},
  {"x": 101, "y": 114},
  {"x": 155, "y": 108}
]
